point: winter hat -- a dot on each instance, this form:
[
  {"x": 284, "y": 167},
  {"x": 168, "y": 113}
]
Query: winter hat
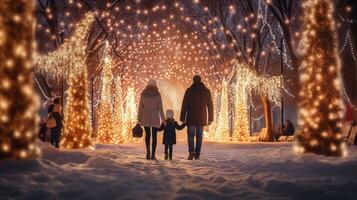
[
  {"x": 170, "y": 114},
  {"x": 152, "y": 82},
  {"x": 196, "y": 79}
]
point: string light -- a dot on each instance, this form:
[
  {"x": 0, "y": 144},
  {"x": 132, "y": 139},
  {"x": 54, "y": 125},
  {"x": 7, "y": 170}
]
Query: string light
[
  {"x": 241, "y": 122},
  {"x": 77, "y": 130},
  {"x": 262, "y": 85},
  {"x": 222, "y": 132},
  {"x": 105, "y": 120},
  {"x": 18, "y": 101},
  {"x": 118, "y": 114},
  {"x": 61, "y": 57},
  {"x": 320, "y": 103},
  {"x": 130, "y": 115}
]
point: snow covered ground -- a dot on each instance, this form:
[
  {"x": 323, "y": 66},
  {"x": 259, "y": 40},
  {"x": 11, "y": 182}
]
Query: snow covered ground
[{"x": 226, "y": 171}]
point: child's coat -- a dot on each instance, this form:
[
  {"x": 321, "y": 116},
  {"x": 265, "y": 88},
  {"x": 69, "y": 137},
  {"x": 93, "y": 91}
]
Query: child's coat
[{"x": 170, "y": 131}]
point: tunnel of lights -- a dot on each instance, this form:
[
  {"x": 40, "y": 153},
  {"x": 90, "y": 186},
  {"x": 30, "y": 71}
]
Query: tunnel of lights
[{"x": 112, "y": 50}]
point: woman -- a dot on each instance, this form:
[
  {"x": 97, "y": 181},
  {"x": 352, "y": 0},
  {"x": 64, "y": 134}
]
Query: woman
[
  {"x": 149, "y": 114},
  {"x": 55, "y": 112}
]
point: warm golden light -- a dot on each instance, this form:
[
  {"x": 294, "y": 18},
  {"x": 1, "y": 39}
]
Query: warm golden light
[
  {"x": 18, "y": 101},
  {"x": 77, "y": 130},
  {"x": 320, "y": 103}
]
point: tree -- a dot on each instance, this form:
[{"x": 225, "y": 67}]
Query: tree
[
  {"x": 130, "y": 115},
  {"x": 320, "y": 103},
  {"x": 105, "y": 127},
  {"x": 18, "y": 102},
  {"x": 222, "y": 132},
  {"x": 118, "y": 112},
  {"x": 77, "y": 130},
  {"x": 241, "y": 117}
]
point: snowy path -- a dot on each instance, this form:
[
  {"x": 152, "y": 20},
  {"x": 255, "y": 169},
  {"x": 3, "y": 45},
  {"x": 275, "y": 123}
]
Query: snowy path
[{"x": 226, "y": 171}]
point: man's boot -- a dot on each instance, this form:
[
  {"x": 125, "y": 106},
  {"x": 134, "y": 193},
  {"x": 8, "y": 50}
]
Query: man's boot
[
  {"x": 166, "y": 156},
  {"x": 191, "y": 156},
  {"x": 170, "y": 155},
  {"x": 153, "y": 155}
]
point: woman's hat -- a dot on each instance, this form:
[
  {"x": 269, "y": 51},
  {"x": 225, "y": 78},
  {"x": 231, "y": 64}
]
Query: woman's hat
[{"x": 152, "y": 82}]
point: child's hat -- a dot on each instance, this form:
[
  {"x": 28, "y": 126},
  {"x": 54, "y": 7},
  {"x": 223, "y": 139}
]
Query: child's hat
[{"x": 170, "y": 114}]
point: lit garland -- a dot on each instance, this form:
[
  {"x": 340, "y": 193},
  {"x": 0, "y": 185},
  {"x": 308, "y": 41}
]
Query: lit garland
[
  {"x": 18, "y": 101},
  {"x": 57, "y": 62},
  {"x": 118, "y": 112},
  {"x": 262, "y": 85},
  {"x": 130, "y": 115},
  {"x": 105, "y": 120},
  {"x": 222, "y": 132},
  {"x": 320, "y": 103},
  {"x": 77, "y": 130}
]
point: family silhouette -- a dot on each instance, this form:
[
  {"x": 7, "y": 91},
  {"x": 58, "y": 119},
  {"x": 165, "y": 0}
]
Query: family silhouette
[{"x": 196, "y": 112}]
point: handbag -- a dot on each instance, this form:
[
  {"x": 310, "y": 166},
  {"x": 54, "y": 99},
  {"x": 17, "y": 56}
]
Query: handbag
[
  {"x": 51, "y": 122},
  {"x": 137, "y": 131}
]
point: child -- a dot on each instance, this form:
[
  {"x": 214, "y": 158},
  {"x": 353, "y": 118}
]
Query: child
[{"x": 169, "y": 128}]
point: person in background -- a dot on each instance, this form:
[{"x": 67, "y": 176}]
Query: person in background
[
  {"x": 150, "y": 111},
  {"x": 195, "y": 105},
  {"x": 288, "y": 129},
  {"x": 169, "y": 129},
  {"x": 55, "y": 111},
  {"x": 43, "y": 129}
]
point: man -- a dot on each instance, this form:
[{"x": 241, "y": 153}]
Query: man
[{"x": 196, "y": 102}]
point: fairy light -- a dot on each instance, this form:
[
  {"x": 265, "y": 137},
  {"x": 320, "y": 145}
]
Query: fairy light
[
  {"x": 18, "y": 101},
  {"x": 118, "y": 112},
  {"x": 320, "y": 104},
  {"x": 260, "y": 84},
  {"x": 61, "y": 57},
  {"x": 130, "y": 115},
  {"x": 77, "y": 131},
  {"x": 213, "y": 126},
  {"x": 241, "y": 122},
  {"x": 105, "y": 120},
  {"x": 222, "y": 132}
]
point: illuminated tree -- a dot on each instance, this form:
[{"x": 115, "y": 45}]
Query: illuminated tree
[
  {"x": 77, "y": 130},
  {"x": 118, "y": 112},
  {"x": 320, "y": 103},
  {"x": 269, "y": 89},
  {"x": 213, "y": 126},
  {"x": 130, "y": 117},
  {"x": 222, "y": 132},
  {"x": 105, "y": 120},
  {"x": 241, "y": 117},
  {"x": 18, "y": 102}
]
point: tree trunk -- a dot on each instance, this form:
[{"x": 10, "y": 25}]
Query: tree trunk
[
  {"x": 18, "y": 101},
  {"x": 269, "y": 137}
]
